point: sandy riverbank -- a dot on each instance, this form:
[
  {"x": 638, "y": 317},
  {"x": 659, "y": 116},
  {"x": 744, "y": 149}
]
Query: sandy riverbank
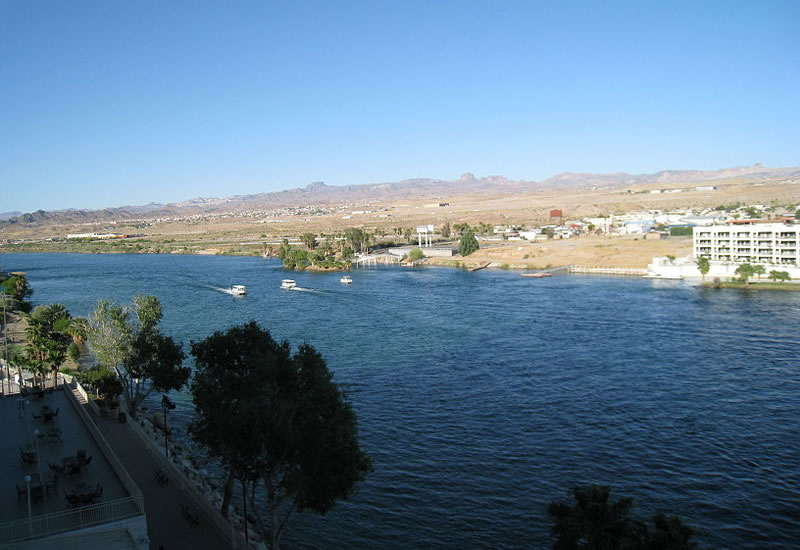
[{"x": 623, "y": 252}]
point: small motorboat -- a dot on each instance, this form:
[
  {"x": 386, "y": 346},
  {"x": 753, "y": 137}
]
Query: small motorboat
[
  {"x": 288, "y": 284},
  {"x": 238, "y": 290},
  {"x": 346, "y": 280},
  {"x": 537, "y": 275}
]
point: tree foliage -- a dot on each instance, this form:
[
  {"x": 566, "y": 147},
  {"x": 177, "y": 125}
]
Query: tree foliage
[
  {"x": 18, "y": 289},
  {"x": 129, "y": 341},
  {"x": 468, "y": 243},
  {"x": 703, "y": 266},
  {"x": 745, "y": 271},
  {"x": 415, "y": 254},
  {"x": 277, "y": 422},
  {"x": 445, "y": 231},
  {"x": 596, "y": 522},
  {"x": 779, "y": 275},
  {"x": 310, "y": 240},
  {"x": 48, "y": 337}
]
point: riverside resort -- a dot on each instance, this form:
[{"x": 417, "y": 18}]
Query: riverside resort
[
  {"x": 412, "y": 275},
  {"x": 88, "y": 469}
]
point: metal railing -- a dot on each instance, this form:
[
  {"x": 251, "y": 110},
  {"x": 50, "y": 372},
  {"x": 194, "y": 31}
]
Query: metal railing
[
  {"x": 70, "y": 520},
  {"x": 111, "y": 456}
]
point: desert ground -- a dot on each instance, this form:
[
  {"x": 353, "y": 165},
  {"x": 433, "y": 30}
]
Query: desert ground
[{"x": 251, "y": 233}]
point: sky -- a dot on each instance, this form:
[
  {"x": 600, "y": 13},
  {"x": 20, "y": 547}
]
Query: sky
[{"x": 110, "y": 103}]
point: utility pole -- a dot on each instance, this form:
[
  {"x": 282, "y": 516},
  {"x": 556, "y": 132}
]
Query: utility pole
[
  {"x": 167, "y": 405},
  {"x": 5, "y": 338}
]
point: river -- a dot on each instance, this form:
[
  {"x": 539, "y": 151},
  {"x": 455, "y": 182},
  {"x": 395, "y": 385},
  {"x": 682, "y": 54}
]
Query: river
[{"x": 484, "y": 396}]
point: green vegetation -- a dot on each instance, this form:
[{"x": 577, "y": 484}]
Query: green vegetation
[
  {"x": 779, "y": 276},
  {"x": 48, "y": 338},
  {"x": 16, "y": 290},
  {"x": 681, "y": 231},
  {"x": 310, "y": 240},
  {"x": 754, "y": 286},
  {"x": 128, "y": 341},
  {"x": 415, "y": 255},
  {"x": 468, "y": 243},
  {"x": 276, "y": 418},
  {"x": 445, "y": 231},
  {"x": 704, "y": 266},
  {"x": 745, "y": 271},
  {"x": 596, "y": 522}
]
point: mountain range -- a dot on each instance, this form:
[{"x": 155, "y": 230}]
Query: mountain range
[{"x": 318, "y": 193}]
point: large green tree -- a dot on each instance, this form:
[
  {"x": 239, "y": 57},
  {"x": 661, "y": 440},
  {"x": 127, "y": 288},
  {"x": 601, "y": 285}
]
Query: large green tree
[
  {"x": 129, "y": 341},
  {"x": 277, "y": 422},
  {"x": 468, "y": 243}
]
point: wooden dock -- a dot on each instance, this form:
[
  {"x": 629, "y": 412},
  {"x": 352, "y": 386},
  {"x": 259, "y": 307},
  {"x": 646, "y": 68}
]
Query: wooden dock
[{"x": 606, "y": 270}]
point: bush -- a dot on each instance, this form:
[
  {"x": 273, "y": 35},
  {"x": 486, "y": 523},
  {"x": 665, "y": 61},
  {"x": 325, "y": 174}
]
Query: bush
[{"x": 415, "y": 255}]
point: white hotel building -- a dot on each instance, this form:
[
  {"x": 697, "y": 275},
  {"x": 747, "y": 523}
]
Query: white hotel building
[
  {"x": 770, "y": 244},
  {"x": 776, "y": 246}
]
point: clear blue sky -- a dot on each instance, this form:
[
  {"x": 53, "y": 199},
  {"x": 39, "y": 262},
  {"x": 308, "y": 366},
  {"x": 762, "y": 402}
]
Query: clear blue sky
[{"x": 112, "y": 102}]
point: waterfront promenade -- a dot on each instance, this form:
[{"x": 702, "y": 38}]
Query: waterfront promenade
[{"x": 167, "y": 525}]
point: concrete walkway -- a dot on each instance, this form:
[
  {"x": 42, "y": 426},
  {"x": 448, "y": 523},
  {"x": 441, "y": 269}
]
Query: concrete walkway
[{"x": 167, "y": 526}]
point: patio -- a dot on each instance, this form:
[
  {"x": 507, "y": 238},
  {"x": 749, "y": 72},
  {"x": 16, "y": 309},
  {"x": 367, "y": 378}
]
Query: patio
[{"x": 61, "y": 435}]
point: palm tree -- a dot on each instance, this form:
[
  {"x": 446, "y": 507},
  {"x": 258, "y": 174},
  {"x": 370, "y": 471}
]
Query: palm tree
[{"x": 79, "y": 330}]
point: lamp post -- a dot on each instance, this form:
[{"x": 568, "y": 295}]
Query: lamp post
[
  {"x": 38, "y": 455},
  {"x": 167, "y": 405},
  {"x": 5, "y": 338},
  {"x": 28, "y": 492}
]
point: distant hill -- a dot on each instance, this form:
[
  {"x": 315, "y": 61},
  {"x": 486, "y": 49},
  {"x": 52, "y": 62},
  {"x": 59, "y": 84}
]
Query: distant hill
[
  {"x": 318, "y": 193},
  {"x": 8, "y": 215}
]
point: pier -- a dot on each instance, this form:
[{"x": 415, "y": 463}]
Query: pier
[{"x": 604, "y": 270}]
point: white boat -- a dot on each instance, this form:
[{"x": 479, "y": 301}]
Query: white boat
[
  {"x": 238, "y": 290},
  {"x": 346, "y": 280},
  {"x": 288, "y": 283}
]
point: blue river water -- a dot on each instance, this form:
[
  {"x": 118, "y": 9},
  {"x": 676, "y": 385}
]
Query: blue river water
[{"x": 484, "y": 396}]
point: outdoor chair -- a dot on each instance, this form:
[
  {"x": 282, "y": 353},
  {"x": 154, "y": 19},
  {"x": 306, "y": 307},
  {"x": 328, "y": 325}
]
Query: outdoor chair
[
  {"x": 54, "y": 435},
  {"x": 51, "y": 483},
  {"x": 72, "y": 500},
  {"x": 28, "y": 457},
  {"x": 74, "y": 471},
  {"x": 55, "y": 468}
]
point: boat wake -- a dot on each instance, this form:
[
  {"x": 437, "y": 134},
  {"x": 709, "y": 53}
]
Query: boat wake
[{"x": 223, "y": 290}]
